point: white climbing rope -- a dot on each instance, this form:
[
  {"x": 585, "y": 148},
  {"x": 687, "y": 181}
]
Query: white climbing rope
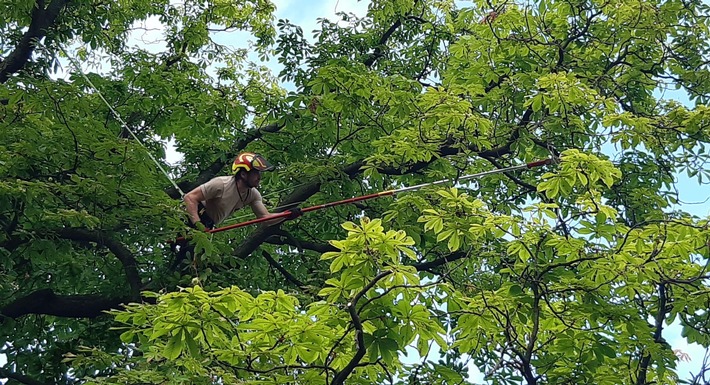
[{"x": 120, "y": 120}]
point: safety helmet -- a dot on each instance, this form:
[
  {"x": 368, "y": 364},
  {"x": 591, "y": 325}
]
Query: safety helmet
[{"x": 250, "y": 161}]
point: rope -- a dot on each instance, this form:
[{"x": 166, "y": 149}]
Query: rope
[{"x": 120, "y": 120}]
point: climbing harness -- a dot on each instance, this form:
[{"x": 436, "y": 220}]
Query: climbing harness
[
  {"x": 120, "y": 120},
  {"x": 286, "y": 213}
]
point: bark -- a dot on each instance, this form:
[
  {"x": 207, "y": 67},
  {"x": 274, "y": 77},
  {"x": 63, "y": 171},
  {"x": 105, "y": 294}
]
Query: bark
[
  {"x": 42, "y": 19},
  {"x": 45, "y": 301},
  {"x": 19, "y": 378},
  {"x": 117, "y": 248}
]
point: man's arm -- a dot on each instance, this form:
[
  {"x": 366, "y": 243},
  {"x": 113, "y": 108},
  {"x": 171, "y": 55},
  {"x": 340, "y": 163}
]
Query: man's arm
[
  {"x": 192, "y": 200},
  {"x": 261, "y": 212},
  {"x": 259, "y": 209}
]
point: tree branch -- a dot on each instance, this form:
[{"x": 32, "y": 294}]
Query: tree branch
[
  {"x": 657, "y": 334},
  {"x": 279, "y": 239},
  {"x": 359, "y": 335},
  {"x": 41, "y": 20},
  {"x": 440, "y": 262},
  {"x": 253, "y": 241},
  {"x": 45, "y": 301},
  {"x": 290, "y": 277},
  {"x": 19, "y": 377},
  {"x": 379, "y": 52},
  {"x": 117, "y": 248},
  {"x": 510, "y": 176}
]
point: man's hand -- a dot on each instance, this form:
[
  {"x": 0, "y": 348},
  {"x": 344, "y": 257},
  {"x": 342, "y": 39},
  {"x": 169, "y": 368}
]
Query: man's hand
[{"x": 294, "y": 213}]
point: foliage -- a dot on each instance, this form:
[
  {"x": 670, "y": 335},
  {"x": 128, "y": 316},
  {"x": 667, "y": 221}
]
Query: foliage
[{"x": 565, "y": 274}]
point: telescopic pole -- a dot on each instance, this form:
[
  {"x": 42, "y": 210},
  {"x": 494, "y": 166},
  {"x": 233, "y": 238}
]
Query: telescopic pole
[{"x": 284, "y": 214}]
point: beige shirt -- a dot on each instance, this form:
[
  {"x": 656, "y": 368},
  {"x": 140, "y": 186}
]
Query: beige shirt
[{"x": 222, "y": 197}]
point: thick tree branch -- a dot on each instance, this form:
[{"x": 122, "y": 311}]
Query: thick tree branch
[
  {"x": 440, "y": 262},
  {"x": 117, "y": 248},
  {"x": 45, "y": 301},
  {"x": 253, "y": 241},
  {"x": 41, "y": 20},
  {"x": 379, "y": 52},
  {"x": 19, "y": 378}
]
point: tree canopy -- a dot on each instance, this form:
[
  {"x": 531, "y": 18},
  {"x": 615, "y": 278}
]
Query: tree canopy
[{"x": 563, "y": 274}]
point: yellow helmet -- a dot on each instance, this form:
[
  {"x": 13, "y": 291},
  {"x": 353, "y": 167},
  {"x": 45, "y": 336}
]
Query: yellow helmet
[{"x": 250, "y": 161}]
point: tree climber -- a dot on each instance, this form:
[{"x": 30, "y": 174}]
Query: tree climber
[{"x": 211, "y": 203}]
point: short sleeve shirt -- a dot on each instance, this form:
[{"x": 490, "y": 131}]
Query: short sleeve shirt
[{"x": 222, "y": 197}]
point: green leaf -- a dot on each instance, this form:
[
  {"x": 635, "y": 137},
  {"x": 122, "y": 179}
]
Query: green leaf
[
  {"x": 192, "y": 346},
  {"x": 174, "y": 346},
  {"x": 127, "y": 336},
  {"x": 515, "y": 290},
  {"x": 454, "y": 242}
]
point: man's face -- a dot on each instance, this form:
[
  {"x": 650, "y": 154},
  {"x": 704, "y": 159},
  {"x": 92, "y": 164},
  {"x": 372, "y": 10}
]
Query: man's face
[{"x": 253, "y": 178}]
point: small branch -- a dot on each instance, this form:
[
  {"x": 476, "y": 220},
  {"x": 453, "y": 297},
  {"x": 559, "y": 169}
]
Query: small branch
[
  {"x": 501, "y": 361},
  {"x": 290, "y": 277},
  {"x": 284, "y": 367},
  {"x": 359, "y": 334}
]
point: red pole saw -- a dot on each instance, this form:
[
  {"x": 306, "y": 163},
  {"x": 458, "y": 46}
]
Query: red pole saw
[{"x": 383, "y": 193}]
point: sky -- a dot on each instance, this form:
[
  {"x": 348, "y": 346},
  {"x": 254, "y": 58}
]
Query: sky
[{"x": 305, "y": 13}]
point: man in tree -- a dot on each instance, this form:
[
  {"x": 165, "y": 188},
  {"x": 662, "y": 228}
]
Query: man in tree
[{"x": 211, "y": 203}]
